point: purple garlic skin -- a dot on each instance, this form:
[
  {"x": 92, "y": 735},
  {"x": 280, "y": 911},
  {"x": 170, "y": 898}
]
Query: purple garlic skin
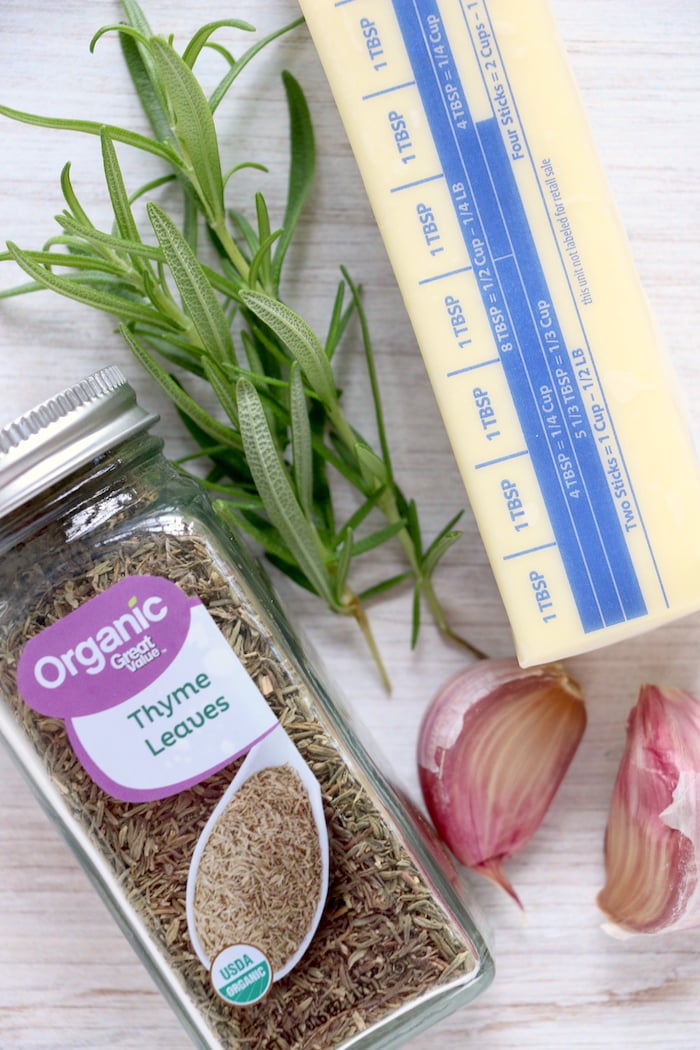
[
  {"x": 493, "y": 748},
  {"x": 651, "y": 841}
]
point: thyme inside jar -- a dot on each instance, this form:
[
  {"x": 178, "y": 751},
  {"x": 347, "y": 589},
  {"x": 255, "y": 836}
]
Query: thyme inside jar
[{"x": 383, "y": 941}]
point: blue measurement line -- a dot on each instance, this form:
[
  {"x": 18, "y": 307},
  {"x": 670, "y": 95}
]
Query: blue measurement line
[
  {"x": 442, "y": 276},
  {"x": 389, "y": 90},
  {"x": 529, "y": 550},
  {"x": 417, "y": 182},
  {"x": 472, "y": 368},
  {"x": 501, "y": 459},
  {"x": 514, "y": 292}
]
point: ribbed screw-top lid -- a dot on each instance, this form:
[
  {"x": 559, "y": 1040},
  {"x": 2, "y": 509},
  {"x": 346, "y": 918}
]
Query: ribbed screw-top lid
[{"x": 61, "y": 434}]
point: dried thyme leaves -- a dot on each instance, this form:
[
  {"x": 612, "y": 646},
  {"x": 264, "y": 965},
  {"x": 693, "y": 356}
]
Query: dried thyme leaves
[{"x": 382, "y": 941}]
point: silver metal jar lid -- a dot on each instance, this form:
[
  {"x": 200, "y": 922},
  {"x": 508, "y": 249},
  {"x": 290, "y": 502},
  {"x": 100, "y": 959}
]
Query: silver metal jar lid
[{"x": 55, "y": 438}]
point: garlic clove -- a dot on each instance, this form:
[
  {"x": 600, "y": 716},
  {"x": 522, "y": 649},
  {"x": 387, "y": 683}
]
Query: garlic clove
[
  {"x": 493, "y": 869},
  {"x": 653, "y": 832},
  {"x": 493, "y": 747}
]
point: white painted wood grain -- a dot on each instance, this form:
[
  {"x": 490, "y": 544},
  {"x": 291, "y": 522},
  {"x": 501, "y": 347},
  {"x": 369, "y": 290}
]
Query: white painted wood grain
[{"x": 68, "y": 980}]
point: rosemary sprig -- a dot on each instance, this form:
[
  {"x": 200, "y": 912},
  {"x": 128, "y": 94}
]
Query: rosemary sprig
[{"x": 284, "y": 442}]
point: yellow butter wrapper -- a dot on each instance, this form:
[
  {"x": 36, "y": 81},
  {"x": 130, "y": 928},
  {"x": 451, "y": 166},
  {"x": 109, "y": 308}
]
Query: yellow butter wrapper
[{"x": 556, "y": 394}]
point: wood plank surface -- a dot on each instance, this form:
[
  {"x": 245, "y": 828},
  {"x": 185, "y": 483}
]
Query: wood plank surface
[{"x": 68, "y": 979}]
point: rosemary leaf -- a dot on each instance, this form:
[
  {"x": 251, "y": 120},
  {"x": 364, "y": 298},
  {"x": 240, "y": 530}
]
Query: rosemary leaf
[
  {"x": 200, "y": 38},
  {"x": 338, "y": 322},
  {"x": 91, "y": 127},
  {"x": 193, "y": 127},
  {"x": 302, "y": 452},
  {"x": 110, "y": 242},
  {"x": 123, "y": 308},
  {"x": 221, "y": 387},
  {"x": 345, "y": 556},
  {"x": 272, "y": 482},
  {"x": 260, "y": 530},
  {"x": 373, "y": 469},
  {"x": 141, "y": 70},
  {"x": 299, "y": 339},
  {"x": 302, "y": 163},
  {"x": 379, "y": 589},
  {"x": 222, "y": 88},
  {"x": 200, "y": 302},
  {"x": 437, "y": 549},
  {"x": 125, "y": 223},
  {"x": 377, "y": 539},
  {"x": 178, "y": 396},
  {"x": 69, "y": 260},
  {"x": 71, "y": 199}
]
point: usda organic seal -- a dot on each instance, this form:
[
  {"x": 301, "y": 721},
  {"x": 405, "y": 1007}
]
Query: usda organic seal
[{"x": 241, "y": 974}]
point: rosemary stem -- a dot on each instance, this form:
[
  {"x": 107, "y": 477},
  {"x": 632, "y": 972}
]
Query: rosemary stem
[
  {"x": 356, "y": 609},
  {"x": 232, "y": 250},
  {"x": 442, "y": 624}
]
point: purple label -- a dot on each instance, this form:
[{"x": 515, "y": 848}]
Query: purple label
[{"x": 107, "y": 650}]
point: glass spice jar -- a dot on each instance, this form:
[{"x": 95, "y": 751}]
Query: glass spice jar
[{"x": 279, "y": 888}]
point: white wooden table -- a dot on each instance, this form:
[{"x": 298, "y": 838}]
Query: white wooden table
[{"x": 67, "y": 978}]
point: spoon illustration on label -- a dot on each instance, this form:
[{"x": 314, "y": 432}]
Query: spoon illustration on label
[{"x": 259, "y": 873}]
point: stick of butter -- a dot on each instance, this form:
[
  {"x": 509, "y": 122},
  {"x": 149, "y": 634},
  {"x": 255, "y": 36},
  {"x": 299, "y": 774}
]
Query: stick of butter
[{"x": 481, "y": 171}]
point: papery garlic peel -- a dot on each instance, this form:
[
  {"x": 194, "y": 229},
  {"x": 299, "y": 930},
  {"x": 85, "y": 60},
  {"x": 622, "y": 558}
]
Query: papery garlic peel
[
  {"x": 653, "y": 832},
  {"x": 493, "y": 747}
]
